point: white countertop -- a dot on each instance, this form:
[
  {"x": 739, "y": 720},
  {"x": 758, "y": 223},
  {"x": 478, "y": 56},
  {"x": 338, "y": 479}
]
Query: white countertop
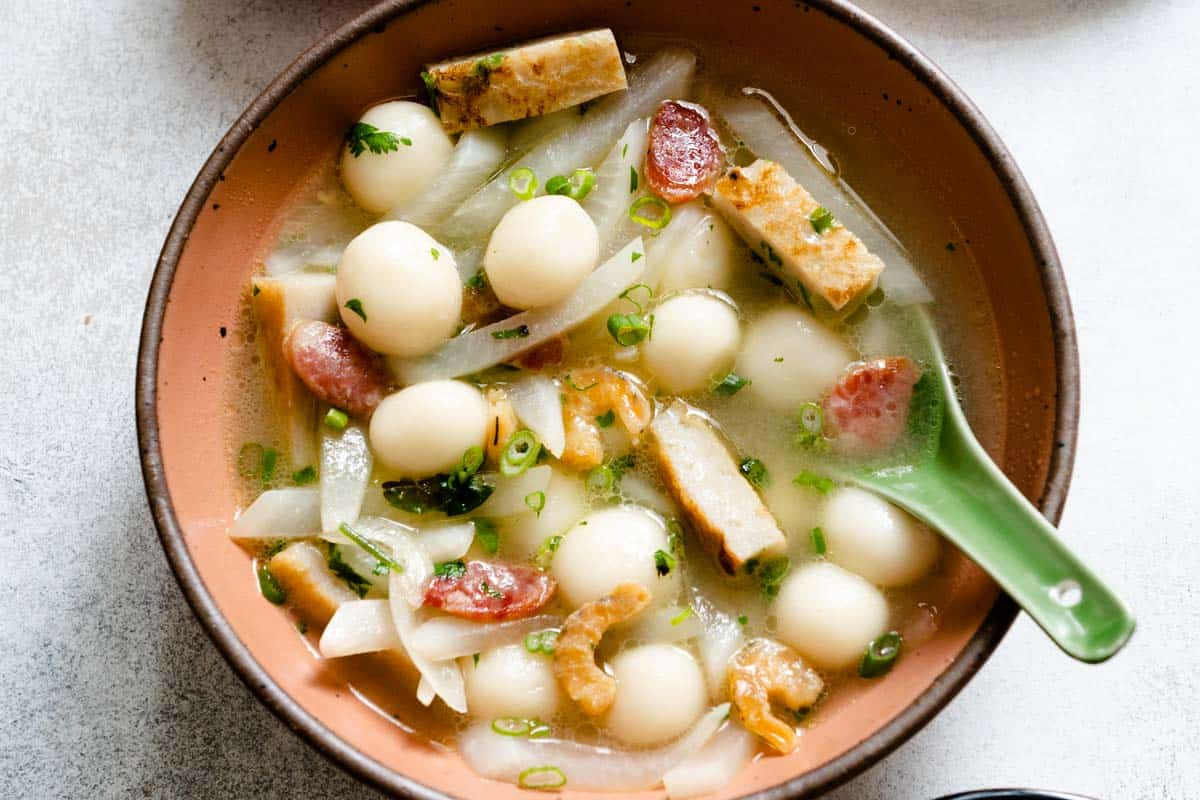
[{"x": 108, "y": 686}]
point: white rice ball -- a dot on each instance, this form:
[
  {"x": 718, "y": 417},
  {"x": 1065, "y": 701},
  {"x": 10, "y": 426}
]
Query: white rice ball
[
  {"x": 790, "y": 358},
  {"x": 609, "y": 547},
  {"x": 424, "y": 429},
  {"x": 693, "y": 342},
  {"x": 541, "y": 251},
  {"x": 510, "y": 681},
  {"x": 660, "y": 694},
  {"x": 381, "y": 181},
  {"x": 828, "y": 614},
  {"x": 868, "y": 535}
]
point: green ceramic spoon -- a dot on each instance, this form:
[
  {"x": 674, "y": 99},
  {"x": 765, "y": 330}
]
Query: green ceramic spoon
[{"x": 958, "y": 490}]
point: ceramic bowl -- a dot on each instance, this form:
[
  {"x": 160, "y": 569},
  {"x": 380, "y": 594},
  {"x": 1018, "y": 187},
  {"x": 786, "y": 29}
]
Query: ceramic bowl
[{"x": 906, "y": 137}]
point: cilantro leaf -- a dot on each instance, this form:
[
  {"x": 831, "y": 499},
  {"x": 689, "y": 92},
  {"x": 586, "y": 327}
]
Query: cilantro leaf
[{"x": 362, "y": 137}]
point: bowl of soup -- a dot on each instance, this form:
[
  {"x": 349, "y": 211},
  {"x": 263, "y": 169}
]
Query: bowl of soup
[{"x": 494, "y": 368}]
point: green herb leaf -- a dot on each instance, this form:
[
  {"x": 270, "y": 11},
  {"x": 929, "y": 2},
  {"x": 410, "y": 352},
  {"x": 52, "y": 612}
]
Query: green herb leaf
[
  {"x": 731, "y": 384},
  {"x": 812, "y": 480},
  {"x": 606, "y": 419},
  {"x": 440, "y": 493},
  {"x": 743, "y": 619},
  {"x": 483, "y": 67},
  {"x": 433, "y": 251},
  {"x": 357, "y": 583},
  {"x": 519, "y": 332},
  {"x": 488, "y": 536},
  {"x": 270, "y": 457},
  {"x": 633, "y": 180},
  {"x": 355, "y": 305},
  {"x": 431, "y": 90},
  {"x": 487, "y": 589},
  {"x": 450, "y": 569},
  {"x": 362, "y": 137},
  {"x": 664, "y": 562},
  {"x": 821, "y": 219},
  {"x": 407, "y": 142},
  {"x": 383, "y": 562},
  {"x": 304, "y": 476},
  {"x": 771, "y": 574},
  {"x": 755, "y": 472},
  {"x": 679, "y": 618},
  {"x": 633, "y": 257},
  {"x": 477, "y": 281}
]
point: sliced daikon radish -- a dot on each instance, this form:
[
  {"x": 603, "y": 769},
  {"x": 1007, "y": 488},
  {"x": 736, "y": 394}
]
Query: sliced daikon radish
[
  {"x": 447, "y": 542},
  {"x": 345, "y": 472},
  {"x": 667, "y": 625},
  {"x": 684, "y": 219},
  {"x": 713, "y": 766},
  {"x": 280, "y": 514},
  {"x": 501, "y": 341},
  {"x": 616, "y": 188},
  {"x": 449, "y": 637},
  {"x": 509, "y": 498},
  {"x": 388, "y": 536},
  {"x": 527, "y": 133},
  {"x": 425, "y": 692},
  {"x": 583, "y": 766},
  {"x": 720, "y": 638},
  {"x": 476, "y": 156},
  {"x": 537, "y": 400},
  {"x": 360, "y": 626},
  {"x": 444, "y": 677},
  {"x": 313, "y": 236},
  {"x": 665, "y": 75},
  {"x": 771, "y": 134}
]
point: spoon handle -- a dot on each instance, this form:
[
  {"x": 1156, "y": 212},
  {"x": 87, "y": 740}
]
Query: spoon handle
[{"x": 962, "y": 493}]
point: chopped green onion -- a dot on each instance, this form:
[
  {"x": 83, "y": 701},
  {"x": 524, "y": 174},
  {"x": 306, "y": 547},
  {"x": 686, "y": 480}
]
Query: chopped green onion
[
  {"x": 519, "y": 332},
  {"x": 681, "y": 616},
  {"x": 304, "y": 476},
  {"x": 539, "y": 729},
  {"x": 628, "y": 294},
  {"x": 571, "y": 382},
  {"x": 520, "y": 453},
  {"x": 270, "y": 588},
  {"x": 634, "y": 256},
  {"x": 633, "y": 180},
  {"x": 812, "y": 427},
  {"x": 488, "y": 536},
  {"x": 818, "y": 541},
  {"x": 536, "y": 502},
  {"x": 881, "y": 655},
  {"x": 472, "y": 460},
  {"x": 545, "y": 552},
  {"x": 812, "y": 480},
  {"x": 743, "y": 619},
  {"x": 577, "y": 186},
  {"x": 821, "y": 219},
  {"x": 511, "y": 726},
  {"x": 355, "y": 305},
  {"x": 433, "y": 251},
  {"x": 606, "y": 419},
  {"x": 523, "y": 183},
  {"x": 383, "y": 562},
  {"x": 542, "y": 778},
  {"x": 771, "y": 574},
  {"x": 542, "y": 641},
  {"x": 483, "y": 67},
  {"x": 628, "y": 329},
  {"x": 477, "y": 280},
  {"x": 339, "y": 567},
  {"x": 658, "y": 222},
  {"x": 337, "y": 419},
  {"x": 731, "y": 384},
  {"x": 664, "y": 562},
  {"x": 450, "y": 569},
  {"x": 487, "y": 589},
  {"x": 600, "y": 479},
  {"x": 755, "y": 472}
]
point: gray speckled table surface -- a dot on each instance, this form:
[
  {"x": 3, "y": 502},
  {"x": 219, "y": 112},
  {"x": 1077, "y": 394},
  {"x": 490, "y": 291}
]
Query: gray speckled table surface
[{"x": 108, "y": 686}]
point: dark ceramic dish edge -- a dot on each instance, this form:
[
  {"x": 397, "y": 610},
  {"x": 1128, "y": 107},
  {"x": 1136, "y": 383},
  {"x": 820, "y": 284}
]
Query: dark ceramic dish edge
[{"x": 849, "y": 764}]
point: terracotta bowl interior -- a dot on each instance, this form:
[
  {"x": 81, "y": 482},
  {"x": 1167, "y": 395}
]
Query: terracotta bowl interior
[{"x": 902, "y": 145}]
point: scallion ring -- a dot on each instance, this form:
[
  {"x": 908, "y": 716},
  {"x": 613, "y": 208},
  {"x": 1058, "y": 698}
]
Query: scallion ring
[
  {"x": 657, "y": 222},
  {"x": 511, "y": 726},
  {"x": 520, "y": 453},
  {"x": 578, "y": 186},
  {"x": 881, "y": 655},
  {"x": 546, "y": 777},
  {"x": 523, "y": 183},
  {"x": 600, "y": 479},
  {"x": 628, "y": 329},
  {"x": 337, "y": 419},
  {"x": 536, "y": 501},
  {"x": 812, "y": 418}
]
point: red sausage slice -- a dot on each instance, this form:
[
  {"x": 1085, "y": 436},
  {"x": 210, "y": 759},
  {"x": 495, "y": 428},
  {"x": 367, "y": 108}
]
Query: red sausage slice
[
  {"x": 335, "y": 367},
  {"x": 491, "y": 591},
  {"x": 683, "y": 157},
  {"x": 867, "y": 410}
]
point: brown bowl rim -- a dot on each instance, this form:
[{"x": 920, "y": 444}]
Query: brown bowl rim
[{"x": 837, "y": 771}]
